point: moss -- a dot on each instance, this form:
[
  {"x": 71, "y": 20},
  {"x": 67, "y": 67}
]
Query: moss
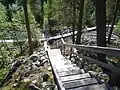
[
  {"x": 23, "y": 86},
  {"x": 15, "y": 76},
  {"x": 8, "y": 87}
]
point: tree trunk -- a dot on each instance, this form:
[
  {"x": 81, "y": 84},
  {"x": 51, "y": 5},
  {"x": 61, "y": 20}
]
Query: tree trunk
[
  {"x": 101, "y": 26},
  {"x": 42, "y": 14},
  {"x": 28, "y": 26},
  {"x": 113, "y": 22},
  {"x": 81, "y": 9},
  {"x": 74, "y": 22},
  {"x": 49, "y": 16},
  {"x": 8, "y": 13}
]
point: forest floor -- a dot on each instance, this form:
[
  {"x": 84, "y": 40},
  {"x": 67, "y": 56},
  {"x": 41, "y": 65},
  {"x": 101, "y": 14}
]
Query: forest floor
[
  {"x": 34, "y": 72},
  {"x": 30, "y": 73}
]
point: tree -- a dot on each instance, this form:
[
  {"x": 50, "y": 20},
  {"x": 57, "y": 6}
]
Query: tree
[
  {"x": 7, "y": 4},
  {"x": 74, "y": 21},
  {"x": 35, "y": 9},
  {"x": 27, "y": 26},
  {"x": 50, "y": 15},
  {"x": 101, "y": 26},
  {"x": 113, "y": 21},
  {"x": 79, "y": 32},
  {"x": 88, "y": 11}
]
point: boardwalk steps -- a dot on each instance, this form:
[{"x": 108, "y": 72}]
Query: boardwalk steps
[{"x": 69, "y": 77}]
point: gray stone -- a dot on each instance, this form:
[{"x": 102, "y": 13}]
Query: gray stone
[
  {"x": 34, "y": 81},
  {"x": 37, "y": 63},
  {"x": 44, "y": 62},
  {"x": 34, "y": 57},
  {"x": 26, "y": 80},
  {"x": 49, "y": 69},
  {"x": 15, "y": 84},
  {"x": 42, "y": 58}
]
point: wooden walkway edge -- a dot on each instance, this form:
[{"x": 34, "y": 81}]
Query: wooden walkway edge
[{"x": 69, "y": 77}]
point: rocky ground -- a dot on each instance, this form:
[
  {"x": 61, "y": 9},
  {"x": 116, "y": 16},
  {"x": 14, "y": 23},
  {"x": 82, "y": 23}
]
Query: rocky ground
[
  {"x": 34, "y": 72},
  {"x": 30, "y": 73}
]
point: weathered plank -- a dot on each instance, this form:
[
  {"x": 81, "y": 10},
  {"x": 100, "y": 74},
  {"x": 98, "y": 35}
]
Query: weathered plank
[
  {"x": 67, "y": 69},
  {"x": 91, "y": 87},
  {"x": 80, "y": 83},
  {"x": 59, "y": 62},
  {"x": 70, "y": 34},
  {"x": 68, "y": 73},
  {"x": 97, "y": 49},
  {"x": 75, "y": 77},
  {"x": 57, "y": 79},
  {"x": 54, "y": 52}
]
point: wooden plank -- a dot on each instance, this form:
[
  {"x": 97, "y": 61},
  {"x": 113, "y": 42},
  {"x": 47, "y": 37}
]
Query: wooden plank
[
  {"x": 68, "y": 69},
  {"x": 92, "y": 87},
  {"x": 75, "y": 77},
  {"x": 58, "y": 80},
  {"x": 68, "y": 73},
  {"x": 97, "y": 49},
  {"x": 80, "y": 83},
  {"x": 54, "y": 52},
  {"x": 70, "y": 34}
]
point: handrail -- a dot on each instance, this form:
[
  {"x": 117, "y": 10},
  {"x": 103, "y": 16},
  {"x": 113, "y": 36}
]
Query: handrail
[{"x": 97, "y": 49}]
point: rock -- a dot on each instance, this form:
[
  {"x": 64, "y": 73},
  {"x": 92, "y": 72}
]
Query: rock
[
  {"x": 34, "y": 67},
  {"x": 72, "y": 60},
  {"x": 27, "y": 73},
  {"x": 33, "y": 87},
  {"x": 42, "y": 58},
  {"x": 17, "y": 80},
  {"x": 42, "y": 63},
  {"x": 15, "y": 85},
  {"x": 49, "y": 69},
  {"x": 37, "y": 63},
  {"x": 34, "y": 57},
  {"x": 44, "y": 84},
  {"x": 26, "y": 80},
  {"x": 45, "y": 77},
  {"x": 34, "y": 81}
]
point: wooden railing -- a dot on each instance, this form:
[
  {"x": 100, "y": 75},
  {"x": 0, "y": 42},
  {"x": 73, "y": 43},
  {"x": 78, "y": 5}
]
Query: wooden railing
[{"x": 96, "y": 49}]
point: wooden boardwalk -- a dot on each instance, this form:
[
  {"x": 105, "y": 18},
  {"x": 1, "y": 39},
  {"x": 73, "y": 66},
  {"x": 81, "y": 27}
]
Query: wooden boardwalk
[{"x": 69, "y": 77}]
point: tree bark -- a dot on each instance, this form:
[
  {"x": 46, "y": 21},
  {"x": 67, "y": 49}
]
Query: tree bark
[
  {"x": 101, "y": 26},
  {"x": 49, "y": 17},
  {"x": 74, "y": 22},
  {"x": 113, "y": 22},
  {"x": 8, "y": 13},
  {"x": 42, "y": 14},
  {"x": 28, "y": 26},
  {"x": 81, "y": 9}
]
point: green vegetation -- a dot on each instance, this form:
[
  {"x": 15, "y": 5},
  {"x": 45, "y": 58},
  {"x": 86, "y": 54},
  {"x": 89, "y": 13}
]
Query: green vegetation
[{"x": 23, "y": 22}]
